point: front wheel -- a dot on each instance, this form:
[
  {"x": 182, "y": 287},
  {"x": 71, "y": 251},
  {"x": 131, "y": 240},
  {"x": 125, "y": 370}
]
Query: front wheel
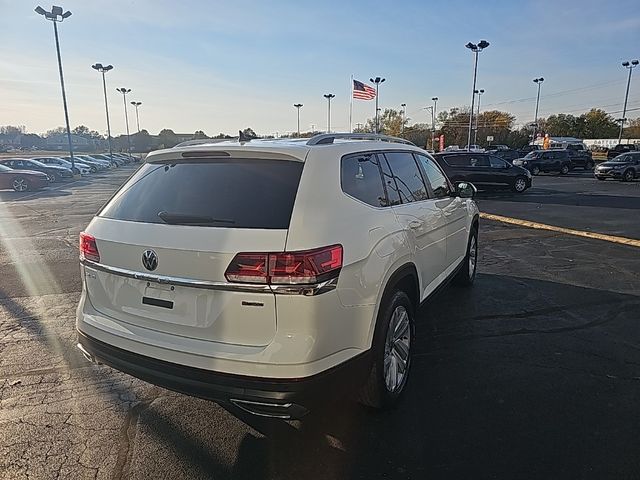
[
  {"x": 519, "y": 185},
  {"x": 391, "y": 353},
  {"x": 564, "y": 169},
  {"x": 467, "y": 273},
  {"x": 54, "y": 177},
  {"x": 627, "y": 176}
]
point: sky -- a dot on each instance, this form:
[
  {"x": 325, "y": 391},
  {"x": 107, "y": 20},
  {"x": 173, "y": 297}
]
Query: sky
[{"x": 221, "y": 66}]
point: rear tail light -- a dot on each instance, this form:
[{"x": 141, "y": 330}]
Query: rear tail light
[
  {"x": 88, "y": 248},
  {"x": 286, "y": 268}
]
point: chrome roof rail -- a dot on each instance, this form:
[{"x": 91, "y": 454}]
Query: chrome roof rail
[{"x": 327, "y": 138}]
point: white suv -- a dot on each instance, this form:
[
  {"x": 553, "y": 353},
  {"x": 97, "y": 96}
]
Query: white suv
[{"x": 272, "y": 274}]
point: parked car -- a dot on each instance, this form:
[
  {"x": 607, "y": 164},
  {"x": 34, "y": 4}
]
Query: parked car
[
  {"x": 622, "y": 148},
  {"x": 184, "y": 274},
  {"x": 545, "y": 161},
  {"x": 497, "y": 148},
  {"x": 55, "y": 173},
  {"x": 580, "y": 156},
  {"x": 89, "y": 160},
  {"x": 473, "y": 148},
  {"x": 624, "y": 167},
  {"x": 508, "y": 154},
  {"x": 483, "y": 170},
  {"x": 79, "y": 167},
  {"x": 528, "y": 148},
  {"x": 22, "y": 180}
]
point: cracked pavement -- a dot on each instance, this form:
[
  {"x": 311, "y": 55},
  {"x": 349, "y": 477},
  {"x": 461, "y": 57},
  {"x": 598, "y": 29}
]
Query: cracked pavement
[{"x": 534, "y": 372}]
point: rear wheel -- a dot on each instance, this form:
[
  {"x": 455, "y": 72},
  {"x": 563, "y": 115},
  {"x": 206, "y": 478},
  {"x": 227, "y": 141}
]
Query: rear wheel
[
  {"x": 519, "y": 185},
  {"x": 627, "y": 176},
  {"x": 535, "y": 170},
  {"x": 20, "y": 184},
  {"x": 564, "y": 169},
  {"x": 391, "y": 353},
  {"x": 467, "y": 273}
]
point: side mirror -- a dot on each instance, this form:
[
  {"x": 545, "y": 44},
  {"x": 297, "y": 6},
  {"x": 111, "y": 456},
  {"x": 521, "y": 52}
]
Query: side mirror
[{"x": 466, "y": 190}]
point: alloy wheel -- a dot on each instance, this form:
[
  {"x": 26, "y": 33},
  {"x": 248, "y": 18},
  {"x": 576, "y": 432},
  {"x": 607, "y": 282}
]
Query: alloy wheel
[
  {"x": 520, "y": 185},
  {"x": 396, "y": 350},
  {"x": 473, "y": 256},
  {"x": 20, "y": 185}
]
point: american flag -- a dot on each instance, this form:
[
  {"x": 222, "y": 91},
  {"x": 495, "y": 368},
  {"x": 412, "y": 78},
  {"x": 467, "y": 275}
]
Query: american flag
[{"x": 362, "y": 91}]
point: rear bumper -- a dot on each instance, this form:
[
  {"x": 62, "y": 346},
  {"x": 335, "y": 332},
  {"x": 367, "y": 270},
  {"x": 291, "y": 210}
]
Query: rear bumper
[{"x": 281, "y": 398}]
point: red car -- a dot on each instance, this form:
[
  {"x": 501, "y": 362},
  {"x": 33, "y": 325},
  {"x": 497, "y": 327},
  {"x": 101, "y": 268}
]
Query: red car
[{"x": 22, "y": 180}]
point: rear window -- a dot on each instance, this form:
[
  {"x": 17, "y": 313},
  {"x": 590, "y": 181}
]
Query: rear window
[{"x": 230, "y": 193}]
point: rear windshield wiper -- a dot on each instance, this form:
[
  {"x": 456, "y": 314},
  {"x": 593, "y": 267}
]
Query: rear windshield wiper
[{"x": 188, "y": 219}]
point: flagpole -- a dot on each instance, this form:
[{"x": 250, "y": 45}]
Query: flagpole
[{"x": 351, "y": 105}]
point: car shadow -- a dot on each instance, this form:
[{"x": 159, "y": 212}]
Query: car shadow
[{"x": 497, "y": 391}]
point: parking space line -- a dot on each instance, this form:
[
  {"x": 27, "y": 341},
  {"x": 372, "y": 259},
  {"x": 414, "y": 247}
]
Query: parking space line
[{"x": 569, "y": 231}]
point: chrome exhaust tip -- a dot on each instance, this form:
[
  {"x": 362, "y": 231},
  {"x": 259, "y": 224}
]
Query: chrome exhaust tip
[
  {"x": 284, "y": 411},
  {"x": 85, "y": 353}
]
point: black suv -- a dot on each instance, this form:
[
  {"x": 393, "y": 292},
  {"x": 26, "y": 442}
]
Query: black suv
[
  {"x": 546, "y": 161},
  {"x": 580, "y": 156},
  {"x": 622, "y": 148},
  {"x": 624, "y": 167},
  {"x": 483, "y": 170}
]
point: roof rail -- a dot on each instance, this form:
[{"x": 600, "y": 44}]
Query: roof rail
[{"x": 327, "y": 138}]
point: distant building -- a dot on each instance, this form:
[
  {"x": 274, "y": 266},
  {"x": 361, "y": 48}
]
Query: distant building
[
  {"x": 10, "y": 140},
  {"x": 608, "y": 142}
]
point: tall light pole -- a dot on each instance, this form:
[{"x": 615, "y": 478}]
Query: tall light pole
[
  {"x": 475, "y": 132},
  {"x": 137, "y": 104},
  {"x": 58, "y": 15},
  {"x": 329, "y": 96},
  {"x": 430, "y": 109},
  {"x": 476, "y": 49},
  {"x": 433, "y": 123},
  {"x": 104, "y": 69},
  {"x": 298, "y": 107},
  {"x": 629, "y": 66},
  {"x": 404, "y": 115},
  {"x": 537, "y": 81},
  {"x": 124, "y": 92},
  {"x": 377, "y": 81}
]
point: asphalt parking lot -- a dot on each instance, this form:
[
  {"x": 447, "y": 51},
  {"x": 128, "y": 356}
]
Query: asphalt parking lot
[{"x": 532, "y": 373}]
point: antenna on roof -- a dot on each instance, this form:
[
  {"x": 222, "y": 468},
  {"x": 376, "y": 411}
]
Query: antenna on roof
[{"x": 243, "y": 138}]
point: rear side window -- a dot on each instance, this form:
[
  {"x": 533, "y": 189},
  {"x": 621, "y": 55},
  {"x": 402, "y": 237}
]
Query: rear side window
[
  {"x": 404, "y": 169},
  {"x": 360, "y": 178},
  {"x": 457, "y": 160},
  {"x": 235, "y": 193}
]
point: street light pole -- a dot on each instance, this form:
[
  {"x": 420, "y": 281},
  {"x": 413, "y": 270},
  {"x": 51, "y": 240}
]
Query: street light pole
[
  {"x": 433, "y": 122},
  {"x": 475, "y": 132},
  {"x": 103, "y": 69},
  {"x": 476, "y": 49},
  {"x": 538, "y": 81},
  {"x": 377, "y": 81},
  {"x": 124, "y": 92},
  {"x": 137, "y": 104},
  {"x": 629, "y": 66},
  {"x": 404, "y": 115},
  {"x": 58, "y": 15},
  {"x": 329, "y": 96},
  {"x": 298, "y": 107},
  {"x": 426, "y": 143}
]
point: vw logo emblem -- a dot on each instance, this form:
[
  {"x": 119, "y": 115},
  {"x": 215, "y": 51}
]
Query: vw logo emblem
[{"x": 150, "y": 260}]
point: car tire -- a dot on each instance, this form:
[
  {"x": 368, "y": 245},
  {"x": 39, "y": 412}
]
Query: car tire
[
  {"x": 588, "y": 165},
  {"x": 628, "y": 176},
  {"x": 519, "y": 185},
  {"x": 535, "y": 170},
  {"x": 21, "y": 184},
  {"x": 392, "y": 342},
  {"x": 564, "y": 169},
  {"x": 467, "y": 273},
  {"x": 93, "y": 170},
  {"x": 54, "y": 177}
]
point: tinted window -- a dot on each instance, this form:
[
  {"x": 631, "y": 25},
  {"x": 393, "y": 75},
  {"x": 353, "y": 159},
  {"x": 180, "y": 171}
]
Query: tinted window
[
  {"x": 497, "y": 162},
  {"x": 229, "y": 193},
  {"x": 407, "y": 176},
  {"x": 478, "y": 161},
  {"x": 457, "y": 160},
  {"x": 435, "y": 177},
  {"x": 360, "y": 178},
  {"x": 390, "y": 185}
]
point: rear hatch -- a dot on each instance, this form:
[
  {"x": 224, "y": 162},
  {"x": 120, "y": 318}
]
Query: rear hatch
[{"x": 195, "y": 216}]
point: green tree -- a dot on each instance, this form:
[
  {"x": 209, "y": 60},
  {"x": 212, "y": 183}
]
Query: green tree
[
  {"x": 141, "y": 142},
  {"x": 167, "y": 138},
  {"x": 390, "y": 122},
  {"x": 199, "y": 135},
  {"x": 632, "y": 129},
  {"x": 248, "y": 132},
  {"x": 56, "y": 131},
  {"x": 598, "y": 124},
  {"x": 12, "y": 130}
]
